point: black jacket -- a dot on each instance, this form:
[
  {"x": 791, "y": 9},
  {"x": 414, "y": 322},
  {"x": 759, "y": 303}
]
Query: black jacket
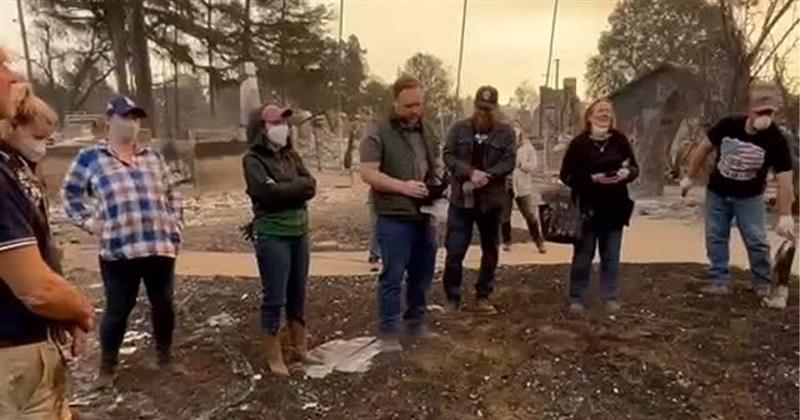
[
  {"x": 608, "y": 205},
  {"x": 499, "y": 159},
  {"x": 276, "y": 180}
]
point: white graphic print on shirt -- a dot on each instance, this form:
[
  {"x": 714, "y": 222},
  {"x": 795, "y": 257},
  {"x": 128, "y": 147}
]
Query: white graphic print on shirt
[{"x": 740, "y": 160}]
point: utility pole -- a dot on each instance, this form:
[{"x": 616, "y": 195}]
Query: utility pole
[
  {"x": 340, "y": 61},
  {"x": 461, "y": 55},
  {"x": 552, "y": 36},
  {"x": 24, "y": 34}
]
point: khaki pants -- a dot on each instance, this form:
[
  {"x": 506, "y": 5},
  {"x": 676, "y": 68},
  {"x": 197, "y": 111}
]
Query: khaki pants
[{"x": 33, "y": 383}]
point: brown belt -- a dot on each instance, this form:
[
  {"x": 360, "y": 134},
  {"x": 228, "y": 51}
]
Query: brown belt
[{"x": 22, "y": 341}]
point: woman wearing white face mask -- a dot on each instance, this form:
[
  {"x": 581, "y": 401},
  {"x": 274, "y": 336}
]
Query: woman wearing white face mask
[
  {"x": 279, "y": 186},
  {"x": 29, "y": 131},
  {"x": 598, "y": 165},
  {"x": 137, "y": 216}
]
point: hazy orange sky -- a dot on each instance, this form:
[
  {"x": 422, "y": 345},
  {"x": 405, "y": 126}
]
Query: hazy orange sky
[{"x": 506, "y": 41}]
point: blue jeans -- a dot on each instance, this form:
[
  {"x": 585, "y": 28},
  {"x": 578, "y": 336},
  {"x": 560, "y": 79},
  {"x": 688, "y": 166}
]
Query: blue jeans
[
  {"x": 121, "y": 279},
  {"x": 459, "y": 235},
  {"x": 409, "y": 251},
  {"x": 750, "y": 215},
  {"x": 283, "y": 265},
  {"x": 609, "y": 241}
]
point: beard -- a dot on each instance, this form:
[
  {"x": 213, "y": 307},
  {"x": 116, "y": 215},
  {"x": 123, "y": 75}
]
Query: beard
[{"x": 482, "y": 122}]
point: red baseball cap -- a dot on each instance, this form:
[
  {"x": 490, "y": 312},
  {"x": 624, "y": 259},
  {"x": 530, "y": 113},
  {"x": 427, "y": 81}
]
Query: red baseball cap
[{"x": 273, "y": 113}]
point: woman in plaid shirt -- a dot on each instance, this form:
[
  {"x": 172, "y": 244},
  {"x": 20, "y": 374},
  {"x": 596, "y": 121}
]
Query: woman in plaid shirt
[{"x": 138, "y": 218}]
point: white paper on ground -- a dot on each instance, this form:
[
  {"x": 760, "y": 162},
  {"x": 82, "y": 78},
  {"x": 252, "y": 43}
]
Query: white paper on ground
[{"x": 349, "y": 356}]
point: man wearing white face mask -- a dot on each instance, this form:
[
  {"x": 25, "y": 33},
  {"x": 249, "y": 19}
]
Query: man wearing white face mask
[
  {"x": 279, "y": 186},
  {"x": 747, "y": 147},
  {"x": 138, "y": 217}
]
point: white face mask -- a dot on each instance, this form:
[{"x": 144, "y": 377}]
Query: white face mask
[
  {"x": 762, "y": 123},
  {"x": 123, "y": 131},
  {"x": 33, "y": 150},
  {"x": 278, "y": 134}
]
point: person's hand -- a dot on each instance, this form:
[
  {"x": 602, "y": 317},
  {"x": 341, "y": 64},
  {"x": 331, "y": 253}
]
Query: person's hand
[
  {"x": 686, "y": 185},
  {"x": 479, "y": 178},
  {"x": 785, "y": 227},
  {"x": 415, "y": 189},
  {"x": 604, "y": 179},
  {"x": 623, "y": 173},
  {"x": 87, "y": 323}
]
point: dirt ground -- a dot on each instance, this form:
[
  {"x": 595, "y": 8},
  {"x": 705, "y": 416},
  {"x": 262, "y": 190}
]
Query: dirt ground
[{"x": 670, "y": 354}]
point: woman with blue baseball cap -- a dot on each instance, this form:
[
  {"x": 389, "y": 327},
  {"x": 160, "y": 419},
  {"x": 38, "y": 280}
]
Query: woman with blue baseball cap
[{"x": 138, "y": 217}]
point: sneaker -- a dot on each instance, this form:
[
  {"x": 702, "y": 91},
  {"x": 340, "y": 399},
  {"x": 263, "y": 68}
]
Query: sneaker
[
  {"x": 576, "y": 308},
  {"x": 612, "y": 306},
  {"x": 484, "y": 307},
  {"x": 542, "y": 248},
  {"x": 761, "y": 290},
  {"x": 777, "y": 299},
  {"x": 420, "y": 333},
  {"x": 166, "y": 364},
  {"x": 715, "y": 289},
  {"x": 507, "y": 247},
  {"x": 389, "y": 344}
]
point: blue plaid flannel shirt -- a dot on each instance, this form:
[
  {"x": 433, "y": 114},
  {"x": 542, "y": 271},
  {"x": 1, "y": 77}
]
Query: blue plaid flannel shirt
[{"x": 133, "y": 208}]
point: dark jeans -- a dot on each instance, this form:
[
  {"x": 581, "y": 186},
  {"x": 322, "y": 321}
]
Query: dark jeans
[
  {"x": 525, "y": 205},
  {"x": 609, "y": 241},
  {"x": 459, "y": 236},
  {"x": 409, "y": 252},
  {"x": 283, "y": 265},
  {"x": 121, "y": 281}
]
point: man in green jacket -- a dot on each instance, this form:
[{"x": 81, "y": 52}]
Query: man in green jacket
[{"x": 399, "y": 158}]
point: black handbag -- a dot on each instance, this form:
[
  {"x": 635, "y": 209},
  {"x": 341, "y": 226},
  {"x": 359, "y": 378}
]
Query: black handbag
[{"x": 561, "y": 216}]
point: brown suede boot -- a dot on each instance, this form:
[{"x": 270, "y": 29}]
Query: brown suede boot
[
  {"x": 299, "y": 338},
  {"x": 273, "y": 355}
]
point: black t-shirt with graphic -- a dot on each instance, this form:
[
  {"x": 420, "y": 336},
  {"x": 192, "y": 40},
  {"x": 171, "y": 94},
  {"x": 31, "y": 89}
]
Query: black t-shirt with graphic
[{"x": 743, "y": 159}]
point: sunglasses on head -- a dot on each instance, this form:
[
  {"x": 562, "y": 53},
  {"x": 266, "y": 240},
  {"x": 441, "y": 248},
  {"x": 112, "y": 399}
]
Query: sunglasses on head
[{"x": 765, "y": 112}]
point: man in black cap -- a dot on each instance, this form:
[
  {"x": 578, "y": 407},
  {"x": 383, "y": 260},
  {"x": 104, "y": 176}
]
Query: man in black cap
[{"x": 479, "y": 153}]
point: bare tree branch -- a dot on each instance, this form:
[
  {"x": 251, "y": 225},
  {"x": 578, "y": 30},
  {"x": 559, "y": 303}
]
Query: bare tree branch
[
  {"x": 776, "y": 47},
  {"x": 768, "y": 26}
]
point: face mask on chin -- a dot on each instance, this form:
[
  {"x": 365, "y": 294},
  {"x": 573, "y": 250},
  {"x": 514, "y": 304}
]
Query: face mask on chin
[
  {"x": 762, "y": 123},
  {"x": 599, "y": 131},
  {"x": 31, "y": 149}
]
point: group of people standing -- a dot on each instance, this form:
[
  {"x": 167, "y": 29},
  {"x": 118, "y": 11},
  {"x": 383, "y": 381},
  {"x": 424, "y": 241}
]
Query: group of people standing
[{"x": 120, "y": 191}]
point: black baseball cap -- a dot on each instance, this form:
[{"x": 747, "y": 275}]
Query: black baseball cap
[
  {"x": 124, "y": 106},
  {"x": 486, "y": 96}
]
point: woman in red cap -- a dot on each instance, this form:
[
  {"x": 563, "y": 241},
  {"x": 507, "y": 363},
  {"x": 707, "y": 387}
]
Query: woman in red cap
[{"x": 279, "y": 186}]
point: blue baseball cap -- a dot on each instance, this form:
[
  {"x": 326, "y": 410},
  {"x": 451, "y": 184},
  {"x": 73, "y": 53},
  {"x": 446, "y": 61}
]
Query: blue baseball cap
[{"x": 124, "y": 106}]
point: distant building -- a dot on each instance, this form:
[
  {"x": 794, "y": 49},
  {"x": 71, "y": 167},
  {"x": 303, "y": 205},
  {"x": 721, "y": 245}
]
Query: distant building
[
  {"x": 650, "y": 110},
  {"x": 559, "y": 111}
]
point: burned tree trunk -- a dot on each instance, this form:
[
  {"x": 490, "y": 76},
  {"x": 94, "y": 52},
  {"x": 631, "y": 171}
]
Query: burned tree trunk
[
  {"x": 141, "y": 64},
  {"x": 115, "y": 22}
]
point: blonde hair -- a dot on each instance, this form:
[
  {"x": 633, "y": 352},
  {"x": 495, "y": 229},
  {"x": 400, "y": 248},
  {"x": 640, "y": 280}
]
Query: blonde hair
[
  {"x": 587, "y": 125},
  {"x": 32, "y": 111}
]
